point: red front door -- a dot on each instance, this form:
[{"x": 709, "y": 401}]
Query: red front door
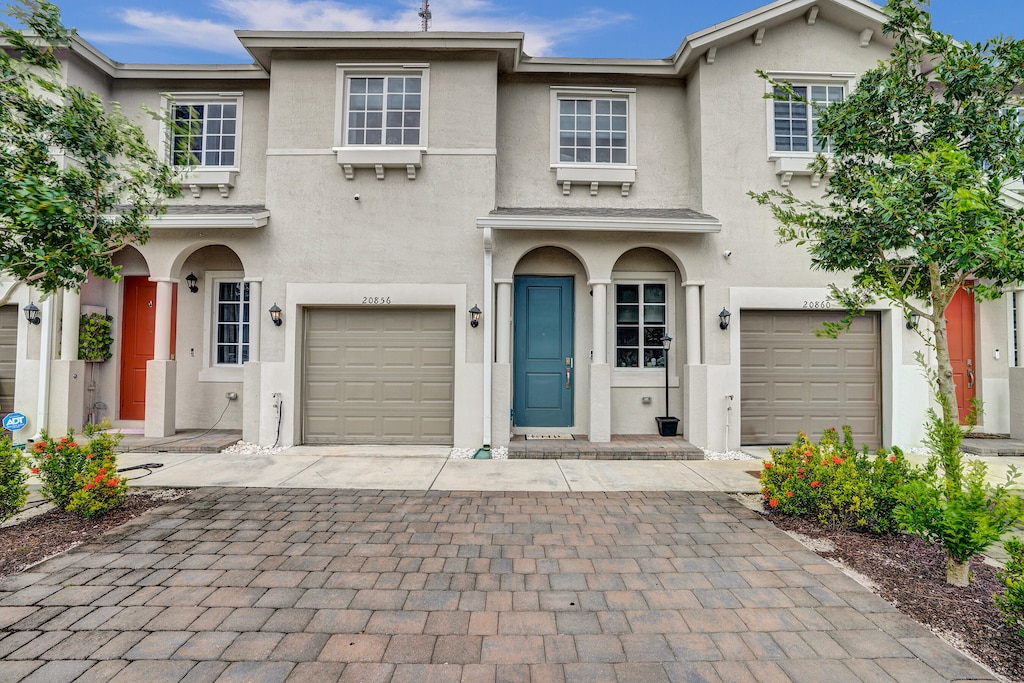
[
  {"x": 137, "y": 338},
  {"x": 960, "y": 330}
]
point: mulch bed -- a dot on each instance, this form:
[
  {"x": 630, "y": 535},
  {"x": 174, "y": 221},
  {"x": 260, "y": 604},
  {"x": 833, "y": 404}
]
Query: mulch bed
[
  {"x": 37, "y": 538},
  {"x": 911, "y": 575}
]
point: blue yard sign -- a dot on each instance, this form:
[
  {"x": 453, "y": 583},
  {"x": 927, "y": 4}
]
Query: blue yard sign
[{"x": 15, "y": 421}]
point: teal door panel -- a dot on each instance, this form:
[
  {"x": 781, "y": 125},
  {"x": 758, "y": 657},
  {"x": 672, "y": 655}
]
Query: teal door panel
[{"x": 544, "y": 375}]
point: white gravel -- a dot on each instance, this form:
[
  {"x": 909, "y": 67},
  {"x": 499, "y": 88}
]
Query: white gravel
[
  {"x": 728, "y": 455},
  {"x": 248, "y": 448},
  {"x": 497, "y": 453}
]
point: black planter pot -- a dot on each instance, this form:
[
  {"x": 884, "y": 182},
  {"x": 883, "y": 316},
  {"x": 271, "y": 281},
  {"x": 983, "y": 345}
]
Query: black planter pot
[{"x": 668, "y": 426}]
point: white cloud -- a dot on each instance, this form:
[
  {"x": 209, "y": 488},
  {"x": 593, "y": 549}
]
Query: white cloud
[{"x": 543, "y": 35}]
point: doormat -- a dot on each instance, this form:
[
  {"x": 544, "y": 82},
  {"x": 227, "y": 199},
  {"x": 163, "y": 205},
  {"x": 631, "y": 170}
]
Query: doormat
[{"x": 542, "y": 437}]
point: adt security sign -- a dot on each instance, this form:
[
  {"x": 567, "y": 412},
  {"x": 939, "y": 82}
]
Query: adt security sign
[{"x": 15, "y": 421}]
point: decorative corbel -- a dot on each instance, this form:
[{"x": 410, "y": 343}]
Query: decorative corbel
[
  {"x": 410, "y": 171},
  {"x": 709, "y": 56},
  {"x": 812, "y": 15},
  {"x": 785, "y": 178},
  {"x": 865, "y": 37},
  {"x": 195, "y": 190},
  {"x": 593, "y": 189},
  {"x": 349, "y": 172},
  {"x": 379, "y": 169},
  {"x": 815, "y": 179},
  {"x": 224, "y": 191},
  {"x": 566, "y": 186},
  {"x": 759, "y": 36},
  {"x": 625, "y": 189}
]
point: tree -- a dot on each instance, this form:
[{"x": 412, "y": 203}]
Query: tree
[
  {"x": 921, "y": 151},
  {"x": 78, "y": 181}
]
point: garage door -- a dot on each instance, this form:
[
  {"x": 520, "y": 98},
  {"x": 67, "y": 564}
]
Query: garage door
[
  {"x": 793, "y": 381},
  {"x": 379, "y": 376},
  {"x": 8, "y": 356}
]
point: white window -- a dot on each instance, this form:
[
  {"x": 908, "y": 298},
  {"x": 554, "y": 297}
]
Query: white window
[
  {"x": 231, "y": 322},
  {"x": 384, "y": 110},
  {"x": 795, "y": 119},
  {"x": 593, "y": 130},
  {"x": 206, "y": 132},
  {"x": 641, "y": 318}
]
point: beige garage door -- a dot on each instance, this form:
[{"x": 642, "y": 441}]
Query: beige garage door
[
  {"x": 793, "y": 381},
  {"x": 8, "y": 356},
  {"x": 379, "y": 376}
]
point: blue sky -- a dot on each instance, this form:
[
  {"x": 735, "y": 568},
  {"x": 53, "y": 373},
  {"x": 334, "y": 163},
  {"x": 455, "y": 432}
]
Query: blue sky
[{"x": 144, "y": 31}]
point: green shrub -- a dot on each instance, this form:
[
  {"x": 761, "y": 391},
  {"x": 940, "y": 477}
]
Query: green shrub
[
  {"x": 57, "y": 462},
  {"x": 956, "y": 508},
  {"x": 1011, "y": 603},
  {"x": 100, "y": 489},
  {"x": 13, "y": 475},
  {"x": 835, "y": 483}
]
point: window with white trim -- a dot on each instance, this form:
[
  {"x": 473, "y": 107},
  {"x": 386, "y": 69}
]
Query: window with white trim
[
  {"x": 593, "y": 130},
  {"x": 206, "y": 132},
  {"x": 231, "y": 322},
  {"x": 795, "y": 118},
  {"x": 384, "y": 110},
  {"x": 641, "y": 316}
]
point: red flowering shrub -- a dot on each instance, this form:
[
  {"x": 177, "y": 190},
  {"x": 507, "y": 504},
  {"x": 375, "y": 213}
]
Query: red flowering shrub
[
  {"x": 101, "y": 490},
  {"x": 833, "y": 482},
  {"x": 70, "y": 472}
]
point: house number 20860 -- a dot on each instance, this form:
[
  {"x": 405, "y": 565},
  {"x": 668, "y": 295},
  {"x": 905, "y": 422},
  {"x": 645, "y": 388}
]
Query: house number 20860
[
  {"x": 376, "y": 299},
  {"x": 818, "y": 304}
]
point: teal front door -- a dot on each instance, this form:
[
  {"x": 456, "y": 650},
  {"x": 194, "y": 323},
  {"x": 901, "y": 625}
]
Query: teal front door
[{"x": 544, "y": 373}]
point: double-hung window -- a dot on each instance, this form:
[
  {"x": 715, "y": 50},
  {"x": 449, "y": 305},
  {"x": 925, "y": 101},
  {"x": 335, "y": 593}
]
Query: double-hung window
[
  {"x": 795, "y": 116},
  {"x": 232, "y": 319},
  {"x": 593, "y": 130},
  {"x": 205, "y": 133},
  {"x": 593, "y": 137},
  {"x": 381, "y": 117},
  {"x": 384, "y": 110},
  {"x": 641, "y": 318}
]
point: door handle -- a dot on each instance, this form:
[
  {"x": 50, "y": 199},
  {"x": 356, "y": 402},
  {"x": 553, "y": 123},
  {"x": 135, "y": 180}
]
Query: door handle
[
  {"x": 970, "y": 378},
  {"x": 568, "y": 372}
]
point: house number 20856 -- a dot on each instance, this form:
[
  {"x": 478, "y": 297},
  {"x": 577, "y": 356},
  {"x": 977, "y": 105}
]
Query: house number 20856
[
  {"x": 376, "y": 299},
  {"x": 818, "y": 304}
]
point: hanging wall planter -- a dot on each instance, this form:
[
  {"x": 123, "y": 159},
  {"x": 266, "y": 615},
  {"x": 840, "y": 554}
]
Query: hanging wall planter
[{"x": 94, "y": 338}]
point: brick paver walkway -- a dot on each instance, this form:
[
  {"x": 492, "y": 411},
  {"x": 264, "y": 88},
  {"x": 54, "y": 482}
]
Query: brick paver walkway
[{"x": 326, "y": 585}]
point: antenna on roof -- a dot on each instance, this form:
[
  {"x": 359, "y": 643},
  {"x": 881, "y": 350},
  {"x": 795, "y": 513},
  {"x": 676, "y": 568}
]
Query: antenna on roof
[{"x": 425, "y": 15}]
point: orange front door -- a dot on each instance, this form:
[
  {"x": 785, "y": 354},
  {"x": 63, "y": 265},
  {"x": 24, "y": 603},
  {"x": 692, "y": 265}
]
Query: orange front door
[
  {"x": 137, "y": 339},
  {"x": 960, "y": 330}
]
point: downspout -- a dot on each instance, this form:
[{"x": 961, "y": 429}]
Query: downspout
[
  {"x": 45, "y": 351},
  {"x": 489, "y": 327}
]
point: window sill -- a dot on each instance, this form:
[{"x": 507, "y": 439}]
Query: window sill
[
  {"x": 595, "y": 176},
  {"x": 379, "y": 158},
  {"x": 789, "y": 164},
  {"x": 222, "y": 179},
  {"x": 222, "y": 373}
]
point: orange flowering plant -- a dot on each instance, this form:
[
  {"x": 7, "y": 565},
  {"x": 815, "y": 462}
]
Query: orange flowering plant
[
  {"x": 65, "y": 467},
  {"x": 100, "y": 490},
  {"x": 834, "y": 482}
]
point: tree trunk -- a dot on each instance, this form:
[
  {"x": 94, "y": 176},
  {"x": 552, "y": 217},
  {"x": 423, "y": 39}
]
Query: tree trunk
[
  {"x": 947, "y": 386},
  {"x": 957, "y": 573}
]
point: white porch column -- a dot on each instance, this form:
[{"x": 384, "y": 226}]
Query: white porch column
[
  {"x": 255, "y": 315},
  {"x": 693, "y": 331},
  {"x": 503, "y": 321},
  {"x": 600, "y": 371},
  {"x": 161, "y": 372},
  {"x": 69, "y": 325},
  {"x": 1019, "y": 309},
  {"x": 67, "y": 383}
]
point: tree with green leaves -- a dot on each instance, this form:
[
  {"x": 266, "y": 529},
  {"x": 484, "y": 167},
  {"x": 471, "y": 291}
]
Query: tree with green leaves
[
  {"x": 913, "y": 212},
  {"x": 921, "y": 150},
  {"x": 78, "y": 180}
]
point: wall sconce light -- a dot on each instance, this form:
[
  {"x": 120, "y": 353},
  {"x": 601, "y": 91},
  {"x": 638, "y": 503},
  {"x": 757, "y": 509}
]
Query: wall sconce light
[
  {"x": 32, "y": 314},
  {"x": 474, "y": 316},
  {"x": 912, "y": 320},
  {"x": 723, "y": 318},
  {"x": 275, "y": 315},
  {"x": 666, "y": 341},
  {"x": 193, "y": 283}
]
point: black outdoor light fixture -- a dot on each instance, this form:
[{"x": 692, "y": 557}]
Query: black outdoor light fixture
[
  {"x": 667, "y": 426},
  {"x": 275, "y": 315},
  {"x": 912, "y": 320},
  {"x": 474, "y": 316},
  {"x": 193, "y": 283},
  {"x": 723, "y": 318},
  {"x": 32, "y": 314}
]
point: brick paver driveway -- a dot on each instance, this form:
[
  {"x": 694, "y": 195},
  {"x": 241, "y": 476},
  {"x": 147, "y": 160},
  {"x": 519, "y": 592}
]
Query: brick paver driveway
[{"x": 307, "y": 585}]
